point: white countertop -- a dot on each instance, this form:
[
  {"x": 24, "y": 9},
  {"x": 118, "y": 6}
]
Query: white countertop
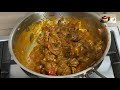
[{"x": 8, "y": 20}]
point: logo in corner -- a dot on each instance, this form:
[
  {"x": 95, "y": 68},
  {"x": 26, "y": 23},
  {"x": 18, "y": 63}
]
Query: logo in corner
[{"x": 104, "y": 19}]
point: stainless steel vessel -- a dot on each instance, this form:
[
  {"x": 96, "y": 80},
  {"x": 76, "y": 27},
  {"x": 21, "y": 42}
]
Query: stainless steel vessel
[{"x": 36, "y": 16}]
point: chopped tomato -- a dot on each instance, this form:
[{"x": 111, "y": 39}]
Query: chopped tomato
[
  {"x": 80, "y": 67},
  {"x": 68, "y": 41},
  {"x": 46, "y": 43},
  {"x": 52, "y": 71}
]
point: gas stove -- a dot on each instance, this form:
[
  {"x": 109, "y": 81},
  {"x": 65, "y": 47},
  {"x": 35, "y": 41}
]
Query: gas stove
[{"x": 109, "y": 68}]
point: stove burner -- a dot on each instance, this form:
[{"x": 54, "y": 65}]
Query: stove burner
[{"x": 5, "y": 59}]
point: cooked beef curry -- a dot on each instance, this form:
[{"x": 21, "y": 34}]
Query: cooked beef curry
[{"x": 65, "y": 46}]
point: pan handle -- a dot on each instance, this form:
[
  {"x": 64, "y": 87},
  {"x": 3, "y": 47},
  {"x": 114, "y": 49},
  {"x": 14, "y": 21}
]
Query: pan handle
[
  {"x": 98, "y": 73},
  {"x": 87, "y": 75}
]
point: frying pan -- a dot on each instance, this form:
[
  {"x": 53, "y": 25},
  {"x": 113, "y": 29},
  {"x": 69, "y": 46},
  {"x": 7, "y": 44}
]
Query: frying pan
[{"x": 37, "y": 16}]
